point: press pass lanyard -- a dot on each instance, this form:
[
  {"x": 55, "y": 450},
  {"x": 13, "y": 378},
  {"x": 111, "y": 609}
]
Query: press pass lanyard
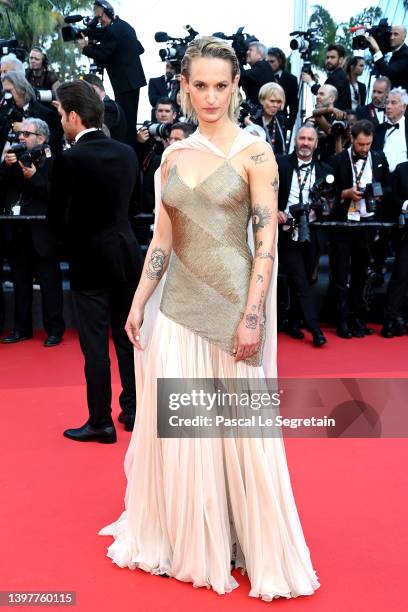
[
  {"x": 303, "y": 182},
  {"x": 358, "y": 175}
]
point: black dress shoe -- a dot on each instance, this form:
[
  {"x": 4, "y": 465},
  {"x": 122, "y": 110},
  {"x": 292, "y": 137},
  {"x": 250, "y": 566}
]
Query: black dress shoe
[
  {"x": 128, "y": 420},
  {"x": 87, "y": 433},
  {"x": 16, "y": 337},
  {"x": 52, "y": 340},
  {"x": 296, "y": 332},
  {"x": 360, "y": 329},
  {"x": 318, "y": 337},
  {"x": 343, "y": 331},
  {"x": 392, "y": 328}
]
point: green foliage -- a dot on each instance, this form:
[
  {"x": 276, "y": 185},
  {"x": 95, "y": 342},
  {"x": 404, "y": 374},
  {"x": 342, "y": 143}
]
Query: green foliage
[
  {"x": 330, "y": 32},
  {"x": 38, "y": 22}
]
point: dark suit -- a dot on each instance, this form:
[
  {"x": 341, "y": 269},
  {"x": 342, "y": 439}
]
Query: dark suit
[
  {"x": 158, "y": 88},
  {"x": 32, "y": 248},
  {"x": 398, "y": 285},
  {"x": 396, "y": 69},
  {"x": 381, "y": 130},
  {"x": 361, "y": 94},
  {"x": 368, "y": 112},
  {"x": 339, "y": 80},
  {"x": 298, "y": 260},
  {"x": 114, "y": 119},
  {"x": 119, "y": 53},
  {"x": 92, "y": 187},
  {"x": 279, "y": 144},
  {"x": 350, "y": 248},
  {"x": 289, "y": 84},
  {"x": 252, "y": 80}
]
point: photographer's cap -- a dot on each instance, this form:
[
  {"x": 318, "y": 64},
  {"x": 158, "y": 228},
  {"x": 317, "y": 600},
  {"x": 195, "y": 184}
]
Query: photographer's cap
[{"x": 108, "y": 8}]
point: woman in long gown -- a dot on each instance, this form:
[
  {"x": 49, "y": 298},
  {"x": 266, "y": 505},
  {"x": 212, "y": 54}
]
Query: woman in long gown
[{"x": 207, "y": 302}]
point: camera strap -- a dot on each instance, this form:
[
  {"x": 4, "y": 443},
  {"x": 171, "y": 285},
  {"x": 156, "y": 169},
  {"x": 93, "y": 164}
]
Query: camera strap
[
  {"x": 358, "y": 175},
  {"x": 302, "y": 182}
]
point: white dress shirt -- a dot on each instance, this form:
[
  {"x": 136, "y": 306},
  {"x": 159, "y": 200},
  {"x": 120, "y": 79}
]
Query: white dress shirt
[
  {"x": 294, "y": 188},
  {"x": 395, "y": 145},
  {"x": 78, "y": 136},
  {"x": 366, "y": 177}
]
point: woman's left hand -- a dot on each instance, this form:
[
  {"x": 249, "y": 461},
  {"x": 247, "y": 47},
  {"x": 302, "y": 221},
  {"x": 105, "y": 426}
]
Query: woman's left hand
[{"x": 247, "y": 337}]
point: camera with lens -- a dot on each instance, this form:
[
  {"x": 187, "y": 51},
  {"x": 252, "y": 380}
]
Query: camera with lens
[
  {"x": 381, "y": 33},
  {"x": 240, "y": 43},
  {"x": 25, "y": 156},
  {"x": 45, "y": 95},
  {"x": 403, "y": 219},
  {"x": 305, "y": 42},
  {"x": 322, "y": 195},
  {"x": 9, "y": 113},
  {"x": 176, "y": 47},
  {"x": 372, "y": 191},
  {"x": 248, "y": 109},
  {"x": 299, "y": 225},
  {"x": 158, "y": 130},
  {"x": 92, "y": 29},
  {"x": 338, "y": 127}
]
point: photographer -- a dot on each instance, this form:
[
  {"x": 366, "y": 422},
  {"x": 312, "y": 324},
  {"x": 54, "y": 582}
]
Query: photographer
[
  {"x": 163, "y": 86},
  {"x": 392, "y": 135},
  {"x": 375, "y": 110},
  {"x": 23, "y": 104},
  {"x": 397, "y": 68},
  {"x": 330, "y": 121},
  {"x": 362, "y": 184},
  {"x": 10, "y": 62},
  {"x": 114, "y": 117},
  {"x": 354, "y": 68},
  {"x": 149, "y": 149},
  {"x": 25, "y": 179},
  {"x": 336, "y": 76},
  {"x": 259, "y": 74},
  {"x": 298, "y": 172},
  {"x": 288, "y": 82},
  {"x": 39, "y": 74},
  {"x": 394, "y": 324},
  {"x": 180, "y": 131},
  {"x": 271, "y": 118},
  {"x": 119, "y": 52}
]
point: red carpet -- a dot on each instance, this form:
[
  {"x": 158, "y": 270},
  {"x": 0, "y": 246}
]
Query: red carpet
[{"x": 56, "y": 494}]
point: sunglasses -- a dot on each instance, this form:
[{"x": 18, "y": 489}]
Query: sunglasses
[{"x": 27, "y": 134}]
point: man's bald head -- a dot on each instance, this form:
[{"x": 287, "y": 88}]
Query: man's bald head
[
  {"x": 326, "y": 96},
  {"x": 398, "y": 36}
]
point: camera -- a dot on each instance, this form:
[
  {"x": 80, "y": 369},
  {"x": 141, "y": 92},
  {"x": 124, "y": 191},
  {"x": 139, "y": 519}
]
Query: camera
[
  {"x": 381, "y": 33},
  {"x": 25, "y": 156},
  {"x": 45, "y": 95},
  {"x": 403, "y": 219},
  {"x": 240, "y": 43},
  {"x": 322, "y": 195},
  {"x": 305, "y": 42},
  {"x": 9, "y": 113},
  {"x": 338, "y": 127},
  {"x": 371, "y": 192},
  {"x": 300, "y": 222},
  {"x": 176, "y": 47},
  {"x": 158, "y": 130},
  {"x": 248, "y": 109},
  {"x": 92, "y": 29}
]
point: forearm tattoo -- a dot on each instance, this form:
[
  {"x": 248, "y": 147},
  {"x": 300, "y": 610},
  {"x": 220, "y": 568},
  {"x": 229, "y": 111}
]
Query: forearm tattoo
[
  {"x": 259, "y": 278},
  {"x": 155, "y": 265},
  {"x": 261, "y": 215},
  {"x": 275, "y": 184},
  {"x": 251, "y": 321},
  {"x": 259, "y": 159},
  {"x": 266, "y": 255}
]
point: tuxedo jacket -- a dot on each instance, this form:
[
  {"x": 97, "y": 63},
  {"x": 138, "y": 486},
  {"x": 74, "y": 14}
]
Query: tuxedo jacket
[
  {"x": 367, "y": 112},
  {"x": 344, "y": 179},
  {"x": 114, "y": 119},
  {"x": 396, "y": 69},
  {"x": 290, "y": 86},
  {"x": 399, "y": 188},
  {"x": 379, "y": 137},
  {"x": 362, "y": 93},
  {"x": 92, "y": 185},
  {"x": 157, "y": 89},
  {"x": 252, "y": 80},
  {"x": 339, "y": 80},
  {"x": 286, "y": 166},
  {"x": 119, "y": 52}
]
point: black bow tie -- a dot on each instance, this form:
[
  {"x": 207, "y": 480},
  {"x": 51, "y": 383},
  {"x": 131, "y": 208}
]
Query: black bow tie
[
  {"x": 304, "y": 166},
  {"x": 357, "y": 157},
  {"x": 391, "y": 125}
]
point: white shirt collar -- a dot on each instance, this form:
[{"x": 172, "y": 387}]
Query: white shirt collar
[
  {"x": 78, "y": 136},
  {"x": 401, "y": 123}
]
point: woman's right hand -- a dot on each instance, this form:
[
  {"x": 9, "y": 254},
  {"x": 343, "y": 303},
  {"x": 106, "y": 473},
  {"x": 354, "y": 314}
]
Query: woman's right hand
[{"x": 133, "y": 325}]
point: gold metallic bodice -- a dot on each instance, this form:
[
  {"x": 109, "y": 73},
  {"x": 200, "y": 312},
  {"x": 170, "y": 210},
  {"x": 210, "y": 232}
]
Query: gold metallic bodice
[{"x": 209, "y": 272}]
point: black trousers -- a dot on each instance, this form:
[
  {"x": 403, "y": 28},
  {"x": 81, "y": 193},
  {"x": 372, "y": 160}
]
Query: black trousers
[
  {"x": 129, "y": 101},
  {"x": 95, "y": 310},
  {"x": 349, "y": 257},
  {"x": 398, "y": 285},
  {"x": 298, "y": 262},
  {"x": 25, "y": 263}
]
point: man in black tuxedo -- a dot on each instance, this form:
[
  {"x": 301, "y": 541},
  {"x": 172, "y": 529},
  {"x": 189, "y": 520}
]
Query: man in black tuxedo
[
  {"x": 398, "y": 286},
  {"x": 119, "y": 52},
  {"x": 375, "y": 110},
  {"x": 391, "y": 137},
  {"x": 32, "y": 247},
  {"x": 260, "y": 72},
  {"x": 162, "y": 87},
  {"x": 353, "y": 169},
  {"x": 277, "y": 61},
  {"x": 92, "y": 187},
  {"x": 336, "y": 76},
  {"x": 397, "y": 68},
  {"x": 114, "y": 117},
  {"x": 297, "y": 174}
]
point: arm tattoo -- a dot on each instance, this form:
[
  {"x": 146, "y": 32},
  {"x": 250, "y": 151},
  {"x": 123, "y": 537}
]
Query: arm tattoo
[
  {"x": 259, "y": 159},
  {"x": 155, "y": 266},
  {"x": 275, "y": 184},
  {"x": 261, "y": 301},
  {"x": 266, "y": 255},
  {"x": 261, "y": 215},
  {"x": 259, "y": 278},
  {"x": 251, "y": 321}
]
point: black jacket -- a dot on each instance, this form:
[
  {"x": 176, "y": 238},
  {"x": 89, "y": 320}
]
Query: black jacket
[
  {"x": 289, "y": 84},
  {"x": 396, "y": 69},
  {"x": 362, "y": 94},
  {"x": 279, "y": 147},
  {"x": 399, "y": 188},
  {"x": 114, "y": 119},
  {"x": 380, "y": 132},
  {"x": 119, "y": 53},
  {"x": 286, "y": 166},
  {"x": 34, "y": 197},
  {"x": 339, "y": 80},
  {"x": 92, "y": 185},
  {"x": 344, "y": 179},
  {"x": 157, "y": 89},
  {"x": 252, "y": 80},
  {"x": 367, "y": 112}
]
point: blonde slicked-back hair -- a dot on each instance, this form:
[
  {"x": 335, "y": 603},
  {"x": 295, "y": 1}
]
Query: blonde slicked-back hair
[{"x": 209, "y": 46}]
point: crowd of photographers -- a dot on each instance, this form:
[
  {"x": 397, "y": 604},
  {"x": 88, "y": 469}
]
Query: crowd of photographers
[{"x": 343, "y": 189}]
